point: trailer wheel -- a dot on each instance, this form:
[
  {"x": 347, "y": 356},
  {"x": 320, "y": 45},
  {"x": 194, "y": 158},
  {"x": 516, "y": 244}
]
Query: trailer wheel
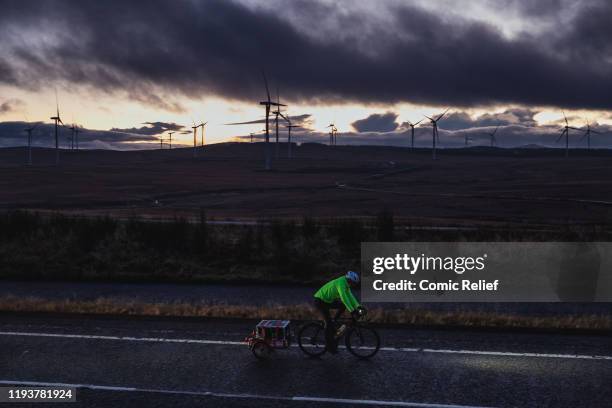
[{"x": 261, "y": 350}]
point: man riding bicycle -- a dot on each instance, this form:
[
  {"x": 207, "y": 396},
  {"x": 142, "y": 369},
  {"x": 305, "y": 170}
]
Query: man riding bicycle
[{"x": 336, "y": 294}]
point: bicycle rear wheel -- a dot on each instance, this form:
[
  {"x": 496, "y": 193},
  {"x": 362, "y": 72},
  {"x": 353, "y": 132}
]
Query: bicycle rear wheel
[
  {"x": 311, "y": 339},
  {"x": 362, "y": 342}
]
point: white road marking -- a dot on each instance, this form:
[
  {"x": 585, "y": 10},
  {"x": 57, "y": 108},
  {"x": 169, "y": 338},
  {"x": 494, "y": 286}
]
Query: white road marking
[
  {"x": 241, "y": 343},
  {"x": 231, "y": 395},
  {"x": 381, "y": 403}
]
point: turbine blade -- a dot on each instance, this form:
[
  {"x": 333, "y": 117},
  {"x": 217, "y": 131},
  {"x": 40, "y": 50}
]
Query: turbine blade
[
  {"x": 495, "y": 131},
  {"x": 418, "y": 122},
  {"x": 56, "y": 103},
  {"x": 266, "y": 82},
  {"x": 565, "y": 117},
  {"x": 443, "y": 113},
  {"x": 251, "y": 122},
  {"x": 560, "y": 136}
]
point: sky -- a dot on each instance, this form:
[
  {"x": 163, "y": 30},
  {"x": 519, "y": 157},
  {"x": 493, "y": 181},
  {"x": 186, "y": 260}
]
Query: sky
[{"x": 130, "y": 71}]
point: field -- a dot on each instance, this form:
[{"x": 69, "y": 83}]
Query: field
[{"x": 478, "y": 187}]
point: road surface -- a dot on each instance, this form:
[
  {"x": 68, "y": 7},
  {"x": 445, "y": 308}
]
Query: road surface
[{"x": 155, "y": 362}]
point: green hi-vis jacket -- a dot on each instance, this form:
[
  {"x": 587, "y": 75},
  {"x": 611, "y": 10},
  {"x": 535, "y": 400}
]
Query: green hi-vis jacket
[{"x": 338, "y": 289}]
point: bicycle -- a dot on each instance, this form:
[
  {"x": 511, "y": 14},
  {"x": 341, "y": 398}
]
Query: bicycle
[{"x": 361, "y": 340}]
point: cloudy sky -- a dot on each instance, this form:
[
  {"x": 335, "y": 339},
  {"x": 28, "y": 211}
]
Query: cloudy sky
[{"x": 127, "y": 71}]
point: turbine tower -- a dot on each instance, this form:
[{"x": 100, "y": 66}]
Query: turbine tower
[
  {"x": 587, "y": 134},
  {"x": 277, "y": 113},
  {"x": 170, "y": 139},
  {"x": 202, "y": 124},
  {"x": 268, "y": 103},
  {"x": 332, "y": 134},
  {"x": 565, "y": 132},
  {"x": 194, "y": 127},
  {"x": 289, "y": 127},
  {"x": 435, "y": 137},
  {"x": 72, "y": 136},
  {"x": 412, "y": 126},
  {"x": 467, "y": 140},
  {"x": 29, "y": 155},
  {"x": 57, "y": 119}
]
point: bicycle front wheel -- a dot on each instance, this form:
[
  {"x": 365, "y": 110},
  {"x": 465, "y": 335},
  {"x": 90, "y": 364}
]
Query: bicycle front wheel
[
  {"x": 311, "y": 339},
  {"x": 362, "y": 342}
]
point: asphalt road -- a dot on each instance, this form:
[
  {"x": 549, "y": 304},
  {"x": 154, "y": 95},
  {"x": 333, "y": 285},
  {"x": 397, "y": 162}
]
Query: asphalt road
[{"x": 126, "y": 362}]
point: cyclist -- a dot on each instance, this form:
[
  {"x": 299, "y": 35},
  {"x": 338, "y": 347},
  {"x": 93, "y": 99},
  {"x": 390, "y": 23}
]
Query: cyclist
[{"x": 336, "y": 294}]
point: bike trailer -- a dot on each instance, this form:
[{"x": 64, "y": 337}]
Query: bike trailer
[{"x": 268, "y": 335}]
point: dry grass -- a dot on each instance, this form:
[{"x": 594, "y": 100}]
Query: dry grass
[{"x": 301, "y": 312}]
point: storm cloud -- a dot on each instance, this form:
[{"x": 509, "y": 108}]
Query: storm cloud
[
  {"x": 458, "y": 120},
  {"x": 43, "y": 135},
  {"x": 377, "y": 122},
  {"x": 152, "y": 128},
  {"x": 161, "y": 51},
  {"x": 10, "y": 105}
]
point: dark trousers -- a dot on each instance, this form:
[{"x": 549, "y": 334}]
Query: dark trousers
[{"x": 324, "y": 309}]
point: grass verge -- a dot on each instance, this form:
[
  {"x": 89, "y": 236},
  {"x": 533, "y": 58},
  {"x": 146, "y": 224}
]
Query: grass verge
[{"x": 416, "y": 317}]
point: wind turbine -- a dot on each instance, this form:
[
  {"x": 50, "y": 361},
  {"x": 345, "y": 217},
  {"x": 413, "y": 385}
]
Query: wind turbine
[
  {"x": 170, "y": 139},
  {"x": 565, "y": 132},
  {"x": 435, "y": 137},
  {"x": 29, "y": 131},
  {"x": 492, "y": 137},
  {"x": 277, "y": 113},
  {"x": 268, "y": 103},
  {"x": 194, "y": 127},
  {"x": 57, "y": 119},
  {"x": 252, "y": 137},
  {"x": 412, "y": 126},
  {"x": 289, "y": 127},
  {"x": 467, "y": 140},
  {"x": 587, "y": 134},
  {"x": 332, "y": 134},
  {"x": 73, "y": 130},
  {"x": 202, "y": 124}
]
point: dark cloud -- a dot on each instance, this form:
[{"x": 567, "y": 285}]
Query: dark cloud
[
  {"x": 11, "y": 105},
  {"x": 152, "y": 128},
  {"x": 458, "y": 120},
  {"x": 161, "y": 51},
  {"x": 377, "y": 123},
  {"x": 13, "y": 134}
]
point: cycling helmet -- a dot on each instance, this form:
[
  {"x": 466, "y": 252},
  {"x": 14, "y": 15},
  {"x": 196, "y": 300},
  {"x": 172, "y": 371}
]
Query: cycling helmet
[{"x": 352, "y": 276}]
